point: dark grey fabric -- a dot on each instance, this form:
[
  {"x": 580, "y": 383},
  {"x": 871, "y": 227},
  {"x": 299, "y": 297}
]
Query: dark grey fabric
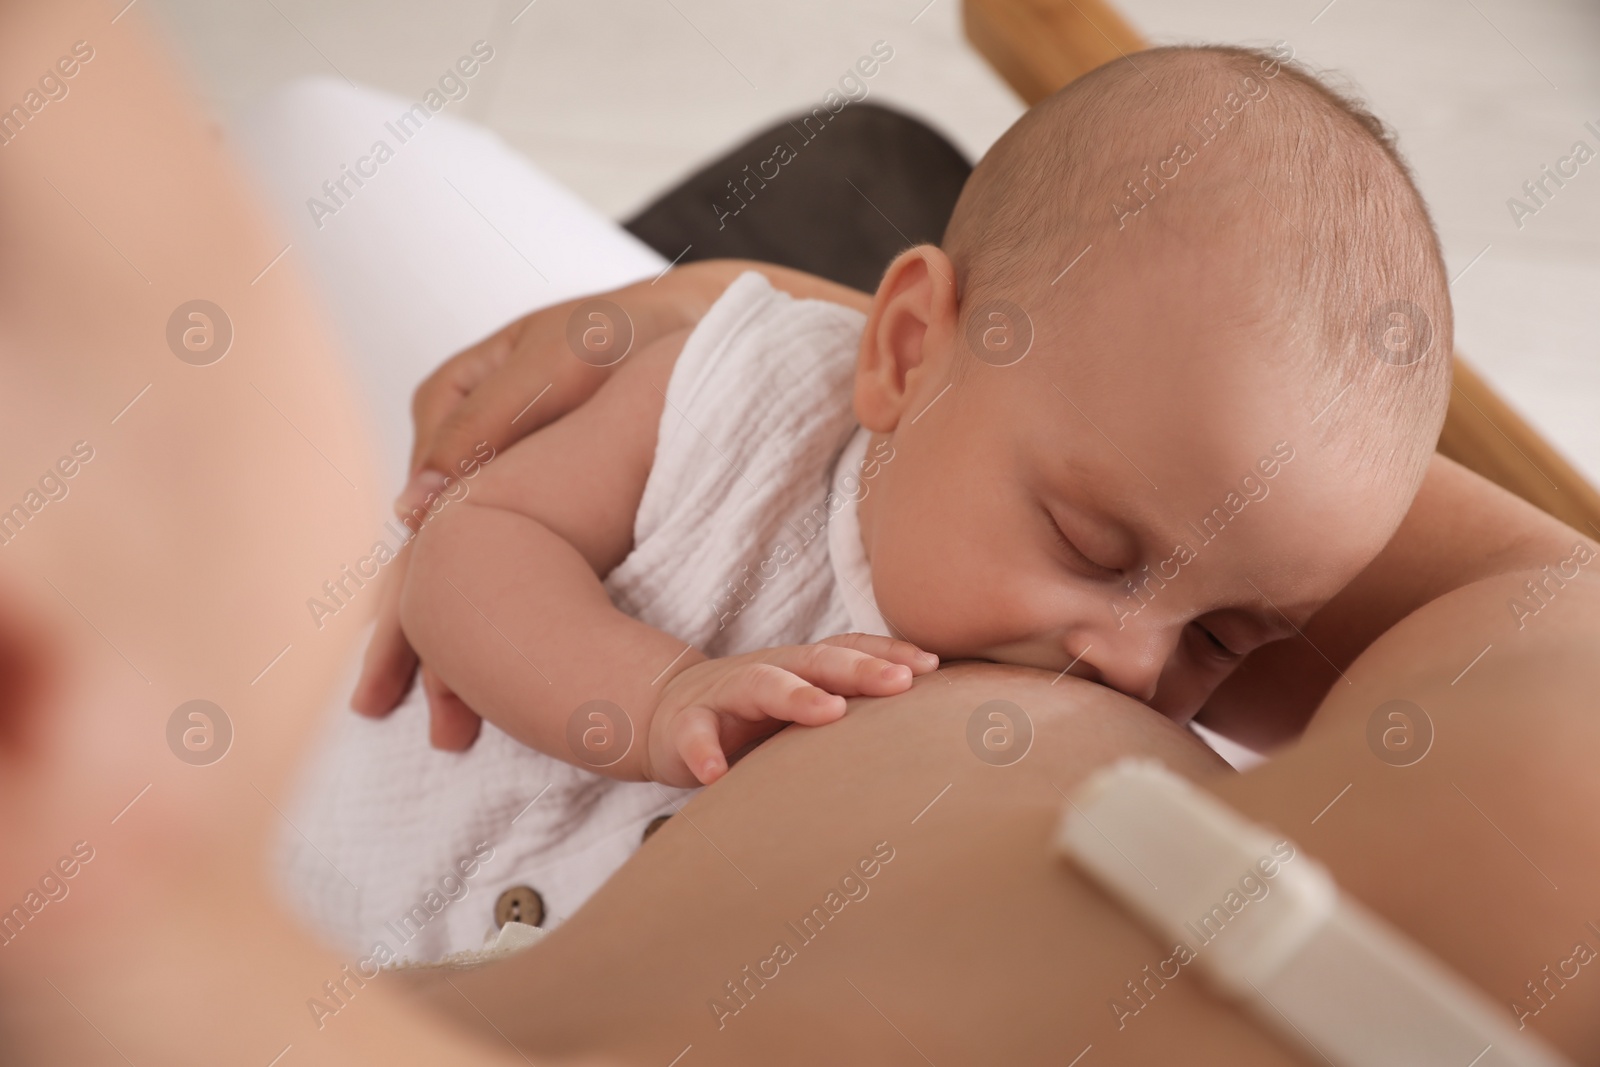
[{"x": 836, "y": 195}]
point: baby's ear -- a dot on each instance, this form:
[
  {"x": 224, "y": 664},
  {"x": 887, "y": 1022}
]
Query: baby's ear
[{"x": 908, "y": 339}]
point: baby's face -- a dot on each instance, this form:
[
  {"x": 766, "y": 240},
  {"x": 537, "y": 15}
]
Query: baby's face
[{"x": 1142, "y": 497}]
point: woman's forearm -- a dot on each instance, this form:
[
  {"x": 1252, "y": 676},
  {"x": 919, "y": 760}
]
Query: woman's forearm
[
  {"x": 716, "y": 274},
  {"x": 675, "y": 301}
]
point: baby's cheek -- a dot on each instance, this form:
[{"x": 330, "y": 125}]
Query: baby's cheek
[
  {"x": 951, "y": 571},
  {"x": 928, "y": 604},
  {"x": 957, "y": 607}
]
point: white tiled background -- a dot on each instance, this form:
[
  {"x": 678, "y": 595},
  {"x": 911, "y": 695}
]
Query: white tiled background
[{"x": 618, "y": 98}]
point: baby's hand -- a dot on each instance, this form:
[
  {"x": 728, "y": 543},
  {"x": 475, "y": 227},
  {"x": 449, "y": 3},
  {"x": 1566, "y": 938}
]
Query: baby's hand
[{"x": 717, "y": 707}]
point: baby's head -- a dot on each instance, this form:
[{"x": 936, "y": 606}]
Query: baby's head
[{"x": 1170, "y": 384}]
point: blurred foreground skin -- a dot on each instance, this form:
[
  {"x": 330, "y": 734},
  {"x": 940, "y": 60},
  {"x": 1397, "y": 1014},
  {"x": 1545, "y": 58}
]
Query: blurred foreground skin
[{"x": 171, "y": 570}]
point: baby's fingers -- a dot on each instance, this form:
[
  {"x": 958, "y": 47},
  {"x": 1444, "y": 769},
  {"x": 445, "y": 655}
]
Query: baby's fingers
[
  {"x": 901, "y": 652},
  {"x": 842, "y": 670},
  {"x": 757, "y": 691}
]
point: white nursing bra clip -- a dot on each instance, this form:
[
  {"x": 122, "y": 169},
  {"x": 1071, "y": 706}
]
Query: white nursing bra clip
[{"x": 1268, "y": 927}]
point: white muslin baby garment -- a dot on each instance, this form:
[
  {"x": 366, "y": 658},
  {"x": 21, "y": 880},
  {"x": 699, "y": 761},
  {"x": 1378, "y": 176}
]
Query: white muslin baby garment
[{"x": 746, "y": 537}]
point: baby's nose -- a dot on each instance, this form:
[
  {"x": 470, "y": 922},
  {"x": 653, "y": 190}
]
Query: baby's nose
[{"x": 1128, "y": 661}]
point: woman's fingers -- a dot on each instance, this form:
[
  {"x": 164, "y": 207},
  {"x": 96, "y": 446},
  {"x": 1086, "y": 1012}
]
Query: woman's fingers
[
  {"x": 699, "y": 744},
  {"x": 903, "y": 652},
  {"x": 506, "y": 406},
  {"x": 389, "y": 669},
  {"x": 537, "y": 382},
  {"x": 390, "y": 665},
  {"x": 454, "y": 380},
  {"x": 452, "y": 726}
]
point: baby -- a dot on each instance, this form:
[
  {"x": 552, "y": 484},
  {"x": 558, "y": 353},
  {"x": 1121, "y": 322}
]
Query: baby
[{"x": 1168, "y": 385}]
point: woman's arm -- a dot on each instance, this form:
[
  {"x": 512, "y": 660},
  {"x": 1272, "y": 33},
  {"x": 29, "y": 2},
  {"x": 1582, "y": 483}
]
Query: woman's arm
[{"x": 1461, "y": 528}]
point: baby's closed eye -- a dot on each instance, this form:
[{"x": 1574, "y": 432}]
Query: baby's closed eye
[
  {"x": 1214, "y": 646},
  {"x": 1076, "y": 557}
]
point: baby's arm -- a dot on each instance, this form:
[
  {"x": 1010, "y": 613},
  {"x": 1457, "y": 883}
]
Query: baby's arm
[{"x": 504, "y": 603}]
